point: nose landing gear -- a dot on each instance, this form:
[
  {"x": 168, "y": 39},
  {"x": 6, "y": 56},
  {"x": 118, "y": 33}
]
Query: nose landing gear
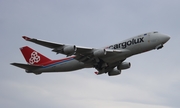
[{"x": 159, "y": 46}]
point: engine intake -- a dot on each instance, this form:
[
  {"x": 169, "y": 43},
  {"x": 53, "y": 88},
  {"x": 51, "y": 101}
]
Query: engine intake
[
  {"x": 124, "y": 65},
  {"x": 69, "y": 50},
  {"x": 99, "y": 52}
]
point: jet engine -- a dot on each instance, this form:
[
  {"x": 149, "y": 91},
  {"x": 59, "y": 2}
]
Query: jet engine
[
  {"x": 99, "y": 52},
  {"x": 124, "y": 65},
  {"x": 69, "y": 50},
  {"x": 114, "y": 72}
]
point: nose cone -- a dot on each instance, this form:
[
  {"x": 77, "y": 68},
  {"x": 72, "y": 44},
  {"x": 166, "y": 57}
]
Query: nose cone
[{"x": 165, "y": 38}]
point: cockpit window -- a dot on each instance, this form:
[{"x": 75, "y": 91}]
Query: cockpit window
[
  {"x": 145, "y": 34},
  {"x": 155, "y": 32}
]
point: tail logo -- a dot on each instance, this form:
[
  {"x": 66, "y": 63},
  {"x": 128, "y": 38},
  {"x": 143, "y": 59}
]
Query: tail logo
[{"x": 35, "y": 58}]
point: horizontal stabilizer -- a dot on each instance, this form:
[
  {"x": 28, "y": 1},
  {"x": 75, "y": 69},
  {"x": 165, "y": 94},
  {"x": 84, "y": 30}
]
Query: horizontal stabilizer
[{"x": 26, "y": 66}]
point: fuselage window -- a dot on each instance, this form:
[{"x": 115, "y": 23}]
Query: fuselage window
[{"x": 155, "y": 32}]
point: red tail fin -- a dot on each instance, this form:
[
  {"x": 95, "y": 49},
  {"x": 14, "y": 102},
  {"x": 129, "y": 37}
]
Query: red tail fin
[{"x": 33, "y": 57}]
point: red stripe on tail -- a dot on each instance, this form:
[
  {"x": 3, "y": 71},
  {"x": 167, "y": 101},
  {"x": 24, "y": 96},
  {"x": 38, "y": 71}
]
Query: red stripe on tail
[{"x": 33, "y": 57}]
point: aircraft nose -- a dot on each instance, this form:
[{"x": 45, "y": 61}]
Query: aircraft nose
[{"x": 166, "y": 38}]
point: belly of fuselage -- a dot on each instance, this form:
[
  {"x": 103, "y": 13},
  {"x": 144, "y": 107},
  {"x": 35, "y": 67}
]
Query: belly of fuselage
[{"x": 63, "y": 66}]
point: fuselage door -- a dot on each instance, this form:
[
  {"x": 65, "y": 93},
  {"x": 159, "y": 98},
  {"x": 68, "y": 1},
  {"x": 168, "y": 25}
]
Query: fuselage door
[{"x": 147, "y": 36}]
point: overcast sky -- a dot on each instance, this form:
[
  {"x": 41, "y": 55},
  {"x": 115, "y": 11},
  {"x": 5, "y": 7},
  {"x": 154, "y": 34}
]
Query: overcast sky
[{"x": 153, "y": 81}]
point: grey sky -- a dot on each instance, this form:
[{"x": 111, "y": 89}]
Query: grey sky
[{"x": 152, "y": 81}]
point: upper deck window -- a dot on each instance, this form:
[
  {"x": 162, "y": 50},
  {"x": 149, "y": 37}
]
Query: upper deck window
[
  {"x": 145, "y": 34},
  {"x": 155, "y": 32}
]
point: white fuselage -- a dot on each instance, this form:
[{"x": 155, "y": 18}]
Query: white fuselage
[{"x": 135, "y": 45}]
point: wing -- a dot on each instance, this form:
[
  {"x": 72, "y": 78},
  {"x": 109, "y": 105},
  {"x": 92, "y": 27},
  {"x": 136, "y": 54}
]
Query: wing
[
  {"x": 87, "y": 55},
  {"x": 60, "y": 48}
]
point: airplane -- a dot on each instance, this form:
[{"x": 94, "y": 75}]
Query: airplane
[{"x": 109, "y": 59}]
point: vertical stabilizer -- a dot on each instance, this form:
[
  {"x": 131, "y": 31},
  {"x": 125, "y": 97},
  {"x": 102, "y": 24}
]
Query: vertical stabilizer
[{"x": 33, "y": 57}]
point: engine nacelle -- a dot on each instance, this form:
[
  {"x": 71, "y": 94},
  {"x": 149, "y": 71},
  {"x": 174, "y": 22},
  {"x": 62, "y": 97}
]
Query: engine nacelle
[
  {"x": 114, "y": 72},
  {"x": 124, "y": 65},
  {"x": 69, "y": 50},
  {"x": 99, "y": 52}
]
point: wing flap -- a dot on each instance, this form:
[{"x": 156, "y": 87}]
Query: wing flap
[
  {"x": 117, "y": 51},
  {"x": 89, "y": 57}
]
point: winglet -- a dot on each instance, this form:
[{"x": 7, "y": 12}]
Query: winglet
[{"x": 26, "y": 38}]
